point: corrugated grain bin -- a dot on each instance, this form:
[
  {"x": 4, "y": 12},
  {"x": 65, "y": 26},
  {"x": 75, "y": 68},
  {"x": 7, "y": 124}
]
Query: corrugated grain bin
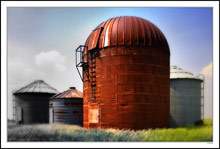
[
  {"x": 67, "y": 107},
  {"x": 32, "y": 103},
  {"x": 186, "y": 98},
  {"x": 126, "y": 75}
]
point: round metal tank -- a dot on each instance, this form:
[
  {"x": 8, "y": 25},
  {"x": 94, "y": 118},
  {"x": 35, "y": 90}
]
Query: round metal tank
[
  {"x": 32, "y": 103},
  {"x": 185, "y": 98},
  {"x": 126, "y": 75},
  {"x": 67, "y": 107}
]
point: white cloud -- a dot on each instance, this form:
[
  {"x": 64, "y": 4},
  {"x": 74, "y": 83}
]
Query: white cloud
[
  {"x": 207, "y": 70},
  {"x": 51, "y": 59}
]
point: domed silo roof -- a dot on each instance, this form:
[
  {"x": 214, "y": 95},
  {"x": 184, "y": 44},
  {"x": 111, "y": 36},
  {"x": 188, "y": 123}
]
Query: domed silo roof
[
  {"x": 72, "y": 92},
  {"x": 127, "y": 30},
  {"x": 178, "y": 73},
  {"x": 38, "y": 86}
]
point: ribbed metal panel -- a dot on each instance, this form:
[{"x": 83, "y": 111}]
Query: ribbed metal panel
[{"x": 127, "y": 30}]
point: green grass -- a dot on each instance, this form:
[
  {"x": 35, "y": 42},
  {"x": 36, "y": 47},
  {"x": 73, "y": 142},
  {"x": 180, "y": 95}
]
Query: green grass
[{"x": 61, "y": 132}]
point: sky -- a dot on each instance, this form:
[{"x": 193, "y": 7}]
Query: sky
[{"x": 41, "y": 43}]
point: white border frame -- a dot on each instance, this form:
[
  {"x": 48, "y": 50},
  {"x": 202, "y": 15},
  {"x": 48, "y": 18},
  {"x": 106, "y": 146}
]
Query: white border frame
[{"x": 213, "y": 4}]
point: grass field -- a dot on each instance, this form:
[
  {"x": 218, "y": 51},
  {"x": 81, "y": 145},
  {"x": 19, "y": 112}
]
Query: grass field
[{"x": 60, "y": 132}]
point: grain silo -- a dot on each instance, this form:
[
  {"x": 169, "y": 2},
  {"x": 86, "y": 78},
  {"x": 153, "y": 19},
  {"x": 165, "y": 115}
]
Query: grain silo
[
  {"x": 67, "y": 107},
  {"x": 186, "y": 98},
  {"x": 32, "y": 103},
  {"x": 125, "y": 63}
]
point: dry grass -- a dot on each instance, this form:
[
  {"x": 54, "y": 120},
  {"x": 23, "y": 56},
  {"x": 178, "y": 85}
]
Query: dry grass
[{"x": 61, "y": 132}]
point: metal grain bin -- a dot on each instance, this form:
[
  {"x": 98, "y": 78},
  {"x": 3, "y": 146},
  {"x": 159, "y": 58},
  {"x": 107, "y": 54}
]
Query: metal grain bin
[
  {"x": 125, "y": 63},
  {"x": 31, "y": 103},
  {"x": 186, "y": 98},
  {"x": 67, "y": 107}
]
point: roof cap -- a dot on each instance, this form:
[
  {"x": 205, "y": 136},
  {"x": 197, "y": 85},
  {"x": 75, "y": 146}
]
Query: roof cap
[
  {"x": 37, "y": 86},
  {"x": 176, "y": 73},
  {"x": 72, "y": 92}
]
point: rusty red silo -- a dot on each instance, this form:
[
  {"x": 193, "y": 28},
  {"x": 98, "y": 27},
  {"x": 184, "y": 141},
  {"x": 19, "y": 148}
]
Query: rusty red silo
[{"x": 126, "y": 75}]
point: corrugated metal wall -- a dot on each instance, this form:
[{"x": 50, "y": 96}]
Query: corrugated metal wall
[
  {"x": 34, "y": 107},
  {"x": 185, "y": 101},
  {"x": 66, "y": 111}
]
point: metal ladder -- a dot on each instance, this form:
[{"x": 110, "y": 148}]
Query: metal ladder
[
  {"x": 14, "y": 108},
  {"x": 93, "y": 76},
  {"x": 87, "y": 64},
  {"x": 202, "y": 100},
  {"x": 202, "y": 95},
  {"x": 92, "y": 80}
]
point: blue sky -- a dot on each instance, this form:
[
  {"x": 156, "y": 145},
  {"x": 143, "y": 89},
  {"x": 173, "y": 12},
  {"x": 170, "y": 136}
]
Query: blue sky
[
  {"x": 41, "y": 41},
  {"x": 188, "y": 30}
]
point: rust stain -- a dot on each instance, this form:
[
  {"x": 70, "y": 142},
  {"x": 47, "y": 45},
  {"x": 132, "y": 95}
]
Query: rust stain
[
  {"x": 60, "y": 117},
  {"x": 72, "y": 104},
  {"x": 61, "y": 111}
]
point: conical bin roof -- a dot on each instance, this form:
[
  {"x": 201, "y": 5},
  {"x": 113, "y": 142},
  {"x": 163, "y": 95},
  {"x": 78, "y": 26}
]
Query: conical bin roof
[
  {"x": 72, "y": 92},
  {"x": 38, "y": 86},
  {"x": 178, "y": 73}
]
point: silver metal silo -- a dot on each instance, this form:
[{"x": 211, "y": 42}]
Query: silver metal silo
[
  {"x": 31, "y": 103},
  {"x": 186, "y": 98}
]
